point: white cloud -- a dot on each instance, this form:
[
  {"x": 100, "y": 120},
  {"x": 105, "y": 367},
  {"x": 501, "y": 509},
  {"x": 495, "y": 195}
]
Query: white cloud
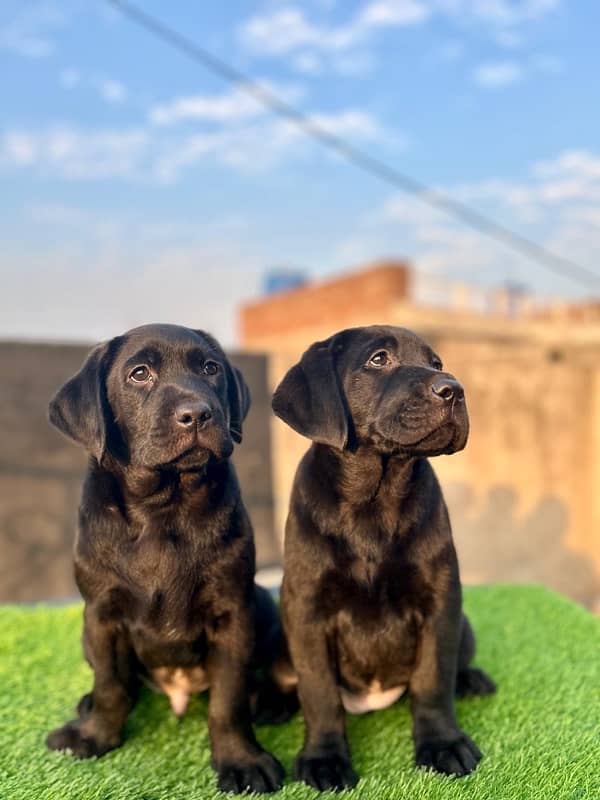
[
  {"x": 314, "y": 45},
  {"x": 555, "y": 202},
  {"x": 260, "y": 146},
  {"x": 500, "y": 12},
  {"x": 151, "y": 153},
  {"x": 228, "y": 107},
  {"x": 347, "y": 64},
  {"x": 288, "y": 29},
  {"x": 112, "y": 91},
  {"x": 497, "y": 74},
  {"x": 308, "y": 63},
  {"x": 234, "y": 106},
  {"x": 231, "y": 129},
  {"x": 579, "y": 162},
  {"x": 384, "y": 13},
  {"x": 571, "y": 180},
  {"x": 280, "y": 32},
  {"x": 18, "y": 148},
  {"x": 74, "y": 153},
  {"x": 209, "y": 262},
  {"x": 351, "y": 122},
  {"x": 30, "y": 33}
]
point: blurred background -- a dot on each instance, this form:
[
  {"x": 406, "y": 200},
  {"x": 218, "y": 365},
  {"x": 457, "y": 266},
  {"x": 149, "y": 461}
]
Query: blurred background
[{"x": 275, "y": 171}]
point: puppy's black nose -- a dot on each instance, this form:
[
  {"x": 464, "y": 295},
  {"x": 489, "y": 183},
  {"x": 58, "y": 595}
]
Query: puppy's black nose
[
  {"x": 192, "y": 413},
  {"x": 448, "y": 389}
]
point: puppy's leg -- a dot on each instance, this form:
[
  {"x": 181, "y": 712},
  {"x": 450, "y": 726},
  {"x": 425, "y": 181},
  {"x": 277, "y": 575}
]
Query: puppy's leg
[
  {"x": 103, "y": 712},
  {"x": 439, "y": 742},
  {"x": 240, "y": 762},
  {"x": 275, "y": 699},
  {"x": 470, "y": 681},
  {"x": 324, "y": 761}
]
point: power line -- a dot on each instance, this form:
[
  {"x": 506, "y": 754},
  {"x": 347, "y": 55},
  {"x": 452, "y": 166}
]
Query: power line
[{"x": 360, "y": 158}]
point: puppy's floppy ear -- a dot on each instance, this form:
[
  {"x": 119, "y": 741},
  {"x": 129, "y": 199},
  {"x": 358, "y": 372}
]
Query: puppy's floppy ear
[
  {"x": 238, "y": 397},
  {"x": 80, "y": 409},
  {"x": 310, "y": 399}
]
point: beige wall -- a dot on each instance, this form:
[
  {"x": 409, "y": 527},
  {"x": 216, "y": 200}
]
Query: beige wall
[{"x": 524, "y": 495}]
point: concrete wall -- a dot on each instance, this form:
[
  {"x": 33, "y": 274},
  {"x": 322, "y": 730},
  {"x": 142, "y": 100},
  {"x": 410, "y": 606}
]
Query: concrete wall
[
  {"x": 41, "y": 471},
  {"x": 524, "y": 496}
]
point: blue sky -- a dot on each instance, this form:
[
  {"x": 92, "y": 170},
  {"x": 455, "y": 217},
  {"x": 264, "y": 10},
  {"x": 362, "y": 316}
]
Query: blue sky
[{"x": 137, "y": 187}]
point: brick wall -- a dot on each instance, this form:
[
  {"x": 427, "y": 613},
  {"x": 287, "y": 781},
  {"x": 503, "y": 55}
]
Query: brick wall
[{"x": 339, "y": 301}]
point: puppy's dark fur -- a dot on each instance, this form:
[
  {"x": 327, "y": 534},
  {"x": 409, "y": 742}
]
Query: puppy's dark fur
[
  {"x": 371, "y": 597},
  {"x": 164, "y": 555}
]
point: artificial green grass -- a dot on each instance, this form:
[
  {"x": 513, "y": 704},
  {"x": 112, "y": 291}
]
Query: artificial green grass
[{"x": 540, "y": 732}]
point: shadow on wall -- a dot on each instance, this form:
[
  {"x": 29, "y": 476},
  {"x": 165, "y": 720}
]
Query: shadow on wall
[{"x": 496, "y": 542}]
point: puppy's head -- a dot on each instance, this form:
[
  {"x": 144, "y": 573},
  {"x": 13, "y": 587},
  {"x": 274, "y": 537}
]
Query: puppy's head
[
  {"x": 379, "y": 386},
  {"x": 158, "y": 395}
]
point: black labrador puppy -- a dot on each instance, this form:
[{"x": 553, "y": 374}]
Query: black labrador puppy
[
  {"x": 371, "y": 596},
  {"x": 164, "y": 555}
]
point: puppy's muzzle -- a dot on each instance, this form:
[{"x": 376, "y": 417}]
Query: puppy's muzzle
[
  {"x": 448, "y": 391},
  {"x": 193, "y": 414},
  {"x": 200, "y": 425}
]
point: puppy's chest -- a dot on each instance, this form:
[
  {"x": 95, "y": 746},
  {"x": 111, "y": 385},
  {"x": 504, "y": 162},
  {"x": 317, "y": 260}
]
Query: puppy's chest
[
  {"x": 160, "y": 555},
  {"x": 166, "y": 577},
  {"x": 374, "y": 619},
  {"x": 367, "y": 590}
]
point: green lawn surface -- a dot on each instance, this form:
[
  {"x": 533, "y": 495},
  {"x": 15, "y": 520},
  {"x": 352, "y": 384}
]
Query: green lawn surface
[{"x": 540, "y": 733}]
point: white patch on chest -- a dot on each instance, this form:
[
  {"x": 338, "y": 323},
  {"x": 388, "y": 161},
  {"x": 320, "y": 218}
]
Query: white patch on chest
[
  {"x": 179, "y": 684},
  {"x": 373, "y": 699}
]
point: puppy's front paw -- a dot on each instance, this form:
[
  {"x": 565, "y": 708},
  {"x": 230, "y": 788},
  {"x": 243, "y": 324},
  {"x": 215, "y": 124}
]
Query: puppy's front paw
[
  {"x": 73, "y": 740},
  {"x": 260, "y": 774},
  {"x": 325, "y": 771},
  {"x": 457, "y": 757}
]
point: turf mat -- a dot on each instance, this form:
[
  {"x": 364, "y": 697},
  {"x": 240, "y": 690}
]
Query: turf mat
[{"x": 540, "y": 733}]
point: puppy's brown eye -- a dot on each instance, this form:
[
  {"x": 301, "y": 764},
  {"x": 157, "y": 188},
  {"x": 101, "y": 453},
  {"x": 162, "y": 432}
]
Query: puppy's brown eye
[
  {"x": 210, "y": 368},
  {"x": 437, "y": 364},
  {"x": 140, "y": 374},
  {"x": 379, "y": 359}
]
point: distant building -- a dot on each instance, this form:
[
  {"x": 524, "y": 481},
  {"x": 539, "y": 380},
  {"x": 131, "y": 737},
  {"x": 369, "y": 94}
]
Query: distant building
[
  {"x": 325, "y": 303},
  {"x": 283, "y": 279}
]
